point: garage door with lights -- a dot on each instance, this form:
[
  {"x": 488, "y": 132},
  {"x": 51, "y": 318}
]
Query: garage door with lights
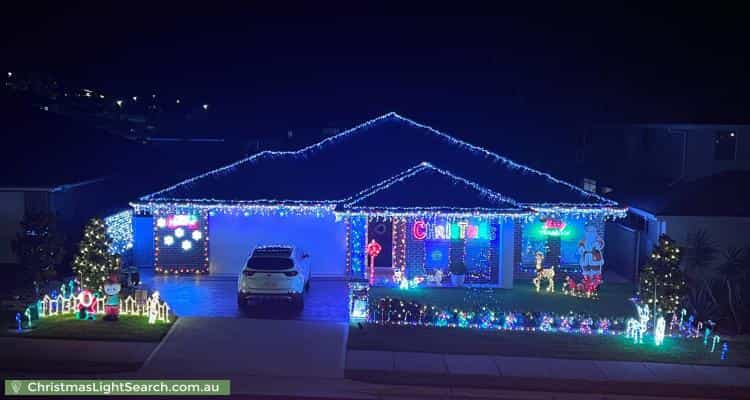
[{"x": 181, "y": 243}]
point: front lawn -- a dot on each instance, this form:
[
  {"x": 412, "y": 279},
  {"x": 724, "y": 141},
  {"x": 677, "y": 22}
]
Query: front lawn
[
  {"x": 540, "y": 344},
  {"x": 613, "y": 299},
  {"x": 128, "y": 328}
]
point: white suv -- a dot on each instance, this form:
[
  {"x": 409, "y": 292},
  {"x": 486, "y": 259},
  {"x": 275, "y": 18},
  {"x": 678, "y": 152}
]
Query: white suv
[{"x": 274, "y": 273}]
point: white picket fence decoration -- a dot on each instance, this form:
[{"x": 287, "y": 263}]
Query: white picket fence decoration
[{"x": 129, "y": 306}]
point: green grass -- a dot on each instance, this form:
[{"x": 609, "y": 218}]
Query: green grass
[
  {"x": 129, "y": 328},
  {"x": 613, "y": 299},
  {"x": 539, "y": 344}
]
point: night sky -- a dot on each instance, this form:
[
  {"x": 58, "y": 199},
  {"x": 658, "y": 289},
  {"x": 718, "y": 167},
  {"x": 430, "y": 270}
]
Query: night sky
[{"x": 490, "y": 80}]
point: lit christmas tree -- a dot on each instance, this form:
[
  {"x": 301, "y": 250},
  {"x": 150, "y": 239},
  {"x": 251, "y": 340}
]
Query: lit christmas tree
[
  {"x": 662, "y": 284},
  {"x": 94, "y": 262}
]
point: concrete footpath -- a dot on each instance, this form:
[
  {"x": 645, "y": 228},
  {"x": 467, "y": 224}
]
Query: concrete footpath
[
  {"x": 62, "y": 355},
  {"x": 559, "y": 375}
]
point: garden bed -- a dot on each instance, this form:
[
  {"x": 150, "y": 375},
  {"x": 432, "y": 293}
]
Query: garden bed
[
  {"x": 129, "y": 328},
  {"x": 541, "y": 344},
  {"x": 613, "y": 300}
]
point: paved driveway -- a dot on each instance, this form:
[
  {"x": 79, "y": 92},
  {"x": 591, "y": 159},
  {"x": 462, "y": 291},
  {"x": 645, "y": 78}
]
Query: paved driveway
[
  {"x": 241, "y": 347},
  {"x": 211, "y": 296}
]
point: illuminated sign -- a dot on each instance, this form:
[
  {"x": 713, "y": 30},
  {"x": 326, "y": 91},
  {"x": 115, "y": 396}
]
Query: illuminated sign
[
  {"x": 182, "y": 220},
  {"x": 422, "y": 230},
  {"x": 554, "y": 227}
]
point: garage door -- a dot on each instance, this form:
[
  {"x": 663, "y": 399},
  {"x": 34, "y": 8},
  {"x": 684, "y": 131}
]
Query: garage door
[{"x": 232, "y": 238}]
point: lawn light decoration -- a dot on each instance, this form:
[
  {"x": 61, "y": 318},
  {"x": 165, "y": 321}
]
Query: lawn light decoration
[
  {"x": 129, "y": 306},
  {"x": 585, "y": 327},
  {"x": 373, "y": 250},
  {"x": 27, "y": 314},
  {"x": 546, "y": 324},
  {"x": 543, "y": 273},
  {"x": 566, "y": 324},
  {"x": 112, "y": 289},
  {"x": 659, "y": 331},
  {"x": 358, "y": 300},
  {"x": 715, "y": 341},
  {"x": 643, "y": 317},
  {"x": 88, "y": 305},
  {"x": 590, "y": 251},
  {"x": 636, "y": 328},
  {"x": 510, "y": 321},
  {"x": 708, "y": 331},
  {"x": 19, "y": 321},
  {"x": 436, "y": 278},
  {"x": 724, "y": 350},
  {"x": 389, "y": 311},
  {"x": 588, "y": 287},
  {"x": 633, "y": 330},
  {"x": 603, "y": 326},
  {"x": 153, "y": 308}
]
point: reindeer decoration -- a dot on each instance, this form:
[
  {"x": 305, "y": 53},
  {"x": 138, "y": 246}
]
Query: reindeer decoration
[{"x": 543, "y": 273}]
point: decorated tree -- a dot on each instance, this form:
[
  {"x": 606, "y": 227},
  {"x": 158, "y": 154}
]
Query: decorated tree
[
  {"x": 39, "y": 245},
  {"x": 662, "y": 284},
  {"x": 95, "y": 262}
]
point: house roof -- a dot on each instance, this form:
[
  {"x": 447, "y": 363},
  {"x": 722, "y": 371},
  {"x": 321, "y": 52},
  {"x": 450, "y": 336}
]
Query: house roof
[
  {"x": 338, "y": 167},
  {"x": 719, "y": 195},
  {"x": 410, "y": 190}
]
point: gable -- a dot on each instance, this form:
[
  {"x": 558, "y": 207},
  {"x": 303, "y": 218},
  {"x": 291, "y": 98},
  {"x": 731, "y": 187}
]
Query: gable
[{"x": 342, "y": 165}]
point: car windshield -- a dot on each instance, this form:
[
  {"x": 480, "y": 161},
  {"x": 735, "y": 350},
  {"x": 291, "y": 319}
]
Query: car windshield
[{"x": 269, "y": 263}]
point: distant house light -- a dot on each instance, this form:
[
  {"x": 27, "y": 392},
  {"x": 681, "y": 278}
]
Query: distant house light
[
  {"x": 10, "y": 74},
  {"x": 589, "y": 185},
  {"x": 725, "y": 146},
  {"x": 177, "y": 101},
  {"x": 119, "y": 103},
  {"x": 135, "y": 98},
  {"x": 205, "y": 106}
]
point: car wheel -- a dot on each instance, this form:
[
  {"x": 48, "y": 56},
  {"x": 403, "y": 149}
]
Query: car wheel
[{"x": 299, "y": 302}]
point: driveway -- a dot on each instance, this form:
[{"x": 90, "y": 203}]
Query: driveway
[
  {"x": 216, "y": 296},
  {"x": 241, "y": 347}
]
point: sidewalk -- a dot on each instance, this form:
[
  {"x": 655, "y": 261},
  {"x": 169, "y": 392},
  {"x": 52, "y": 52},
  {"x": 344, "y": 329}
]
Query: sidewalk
[
  {"x": 70, "y": 356},
  {"x": 559, "y": 375}
]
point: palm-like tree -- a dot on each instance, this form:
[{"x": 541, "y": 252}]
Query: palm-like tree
[
  {"x": 735, "y": 269},
  {"x": 700, "y": 255}
]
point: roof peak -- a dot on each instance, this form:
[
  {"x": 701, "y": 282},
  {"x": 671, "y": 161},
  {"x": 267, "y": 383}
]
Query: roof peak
[
  {"x": 390, "y": 115},
  {"x": 417, "y": 169}
]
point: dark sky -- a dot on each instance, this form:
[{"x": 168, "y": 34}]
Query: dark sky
[{"x": 263, "y": 71}]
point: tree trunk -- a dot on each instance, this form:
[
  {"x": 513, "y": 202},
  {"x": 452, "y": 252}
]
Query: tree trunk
[
  {"x": 710, "y": 292},
  {"x": 731, "y": 307}
]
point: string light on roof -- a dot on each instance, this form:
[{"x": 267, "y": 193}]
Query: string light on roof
[{"x": 317, "y": 146}]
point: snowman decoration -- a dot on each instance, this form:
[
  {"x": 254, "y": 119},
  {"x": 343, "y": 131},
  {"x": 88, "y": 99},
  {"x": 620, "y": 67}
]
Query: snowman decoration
[{"x": 590, "y": 252}]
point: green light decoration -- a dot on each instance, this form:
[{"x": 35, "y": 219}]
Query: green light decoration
[{"x": 541, "y": 230}]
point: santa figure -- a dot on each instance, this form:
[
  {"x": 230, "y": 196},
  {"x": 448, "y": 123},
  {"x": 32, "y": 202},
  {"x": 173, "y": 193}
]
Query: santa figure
[
  {"x": 590, "y": 249},
  {"x": 87, "y": 305}
]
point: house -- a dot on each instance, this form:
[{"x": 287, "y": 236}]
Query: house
[
  {"x": 676, "y": 178},
  {"x": 57, "y": 165},
  {"x": 426, "y": 198}
]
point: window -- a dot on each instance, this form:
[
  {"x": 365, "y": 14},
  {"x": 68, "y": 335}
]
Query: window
[{"x": 725, "y": 146}]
